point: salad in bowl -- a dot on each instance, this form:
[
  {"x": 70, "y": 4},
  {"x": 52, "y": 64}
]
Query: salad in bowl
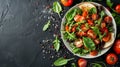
[{"x": 88, "y": 30}]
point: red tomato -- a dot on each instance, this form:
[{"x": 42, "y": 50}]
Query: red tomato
[
  {"x": 104, "y": 30},
  {"x": 79, "y": 18},
  {"x": 83, "y": 27},
  {"x": 94, "y": 16},
  {"x": 81, "y": 33},
  {"x": 85, "y": 14},
  {"x": 103, "y": 24},
  {"x": 116, "y": 46},
  {"x": 111, "y": 58},
  {"x": 107, "y": 37},
  {"x": 108, "y": 19},
  {"x": 73, "y": 28},
  {"x": 94, "y": 53},
  {"x": 67, "y": 28},
  {"x": 82, "y": 62},
  {"x": 97, "y": 41},
  {"x": 90, "y": 22},
  {"x": 91, "y": 34},
  {"x": 67, "y": 2},
  {"x": 78, "y": 43},
  {"x": 117, "y": 8}
]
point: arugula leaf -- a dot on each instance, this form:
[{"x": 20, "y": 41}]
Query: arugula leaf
[
  {"x": 57, "y": 7},
  {"x": 56, "y": 43},
  {"x": 109, "y": 3},
  {"x": 46, "y": 26},
  {"x": 70, "y": 15},
  {"x": 62, "y": 61},
  {"x": 69, "y": 36},
  {"x": 102, "y": 14},
  {"x": 93, "y": 11},
  {"x": 88, "y": 42}
]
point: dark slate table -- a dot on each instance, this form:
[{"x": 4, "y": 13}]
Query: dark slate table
[{"x": 22, "y": 41}]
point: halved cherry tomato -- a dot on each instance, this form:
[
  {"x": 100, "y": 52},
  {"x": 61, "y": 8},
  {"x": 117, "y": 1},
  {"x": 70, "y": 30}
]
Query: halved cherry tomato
[
  {"x": 90, "y": 22},
  {"x": 94, "y": 16},
  {"x": 67, "y": 28},
  {"x": 104, "y": 30},
  {"x": 85, "y": 14},
  {"x": 79, "y": 18},
  {"x": 103, "y": 25},
  {"x": 67, "y": 2},
  {"x": 73, "y": 28},
  {"x": 94, "y": 53},
  {"x": 117, "y": 8},
  {"x": 97, "y": 41},
  {"x": 107, "y": 37},
  {"x": 82, "y": 62},
  {"x": 83, "y": 27},
  {"x": 78, "y": 43},
  {"x": 108, "y": 19},
  {"x": 111, "y": 58},
  {"x": 81, "y": 33},
  {"x": 91, "y": 34},
  {"x": 116, "y": 46}
]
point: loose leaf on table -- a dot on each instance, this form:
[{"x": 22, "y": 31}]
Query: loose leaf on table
[
  {"x": 73, "y": 65},
  {"x": 57, "y": 7},
  {"x": 46, "y": 26},
  {"x": 56, "y": 44},
  {"x": 88, "y": 42},
  {"x": 62, "y": 61},
  {"x": 109, "y": 3}
]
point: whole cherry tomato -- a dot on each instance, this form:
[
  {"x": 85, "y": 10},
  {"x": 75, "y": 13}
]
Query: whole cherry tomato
[
  {"x": 116, "y": 46},
  {"x": 111, "y": 58},
  {"x": 67, "y": 2},
  {"x": 94, "y": 53},
  {"x": 117, "y": 8},
  {"x": 82, "y": 62}
]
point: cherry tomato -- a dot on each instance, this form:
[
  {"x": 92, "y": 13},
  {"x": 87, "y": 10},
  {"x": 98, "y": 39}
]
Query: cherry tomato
[
  {"x": 83, "y": 27},
  {"x": 91, "y": 34},
  {"x": 67, "y": 2},
  {"x": 79, "y": 18},
  {"x": 107, "y": 37},
  {"x": 94, "y": 16},
  {"x": 67, "y": 28},
  {"x": 104, "y": 30},
  {"x": 90, "y": 22},
  {"x": 82, "y": 62},
  {"x": 73, "y": 28},
  {"x": 103, "y": 24},
  {"x": 97, "y": 41},
  {"x": 81, "y": 33},
  {"x": 78, "y": 43},
  {"x": 85, "y": 14},
  {"x": 116, "y": 46},
  {"x": 94, "y": 53},
  {"x": 117, "y": 8},
  {"x": 108, "y": 19},
  {"x": 111, "y": 58}
]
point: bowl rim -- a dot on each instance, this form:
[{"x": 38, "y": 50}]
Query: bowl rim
[{"x": 66, "y": 43}]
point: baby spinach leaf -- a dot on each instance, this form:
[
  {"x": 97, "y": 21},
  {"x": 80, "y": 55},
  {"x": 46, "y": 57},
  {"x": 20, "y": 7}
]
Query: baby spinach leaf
[
  {"x": 46, "y": 26},
  {"x": 56, "y": 44},
  {"x": 109, "y": 3},
  {"x": 88, "y": 42},
  {"x": 73, "y": 65},
  {"x": 57, "y": 7},
  {"x": 62, "y": 61},
  {"x": 70, "y": 15}
]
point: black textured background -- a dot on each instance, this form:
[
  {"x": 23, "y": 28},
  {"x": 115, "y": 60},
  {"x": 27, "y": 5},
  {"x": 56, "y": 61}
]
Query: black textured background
[{"x": 22, "y": 41}]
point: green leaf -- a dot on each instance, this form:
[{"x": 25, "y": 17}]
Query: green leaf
[
  {"x": 102, "y": 14},
  {"x": 73, "y": 65},
  {"x": 93, "y": 11},
  {"x": 88, "y": 42},
  {"x": 109, "y": 3},
  {"x": 69, "y": 36},
  {"x": 57, "y": 7},
  {"x": 56, "y": 43},
  {"x": 70, "y": 15},
  {"x": 46, "y": 26},
  {"x": 96, "y": 65},
  {"x": 62, "y": 61}
]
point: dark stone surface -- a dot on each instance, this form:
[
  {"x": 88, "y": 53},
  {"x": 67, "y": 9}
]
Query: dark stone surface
[{"x": 21, "y": 36}]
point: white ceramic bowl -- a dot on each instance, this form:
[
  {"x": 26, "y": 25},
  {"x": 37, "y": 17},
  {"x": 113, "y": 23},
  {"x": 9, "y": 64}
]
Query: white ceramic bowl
[{"x": 102, "y": 51}]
